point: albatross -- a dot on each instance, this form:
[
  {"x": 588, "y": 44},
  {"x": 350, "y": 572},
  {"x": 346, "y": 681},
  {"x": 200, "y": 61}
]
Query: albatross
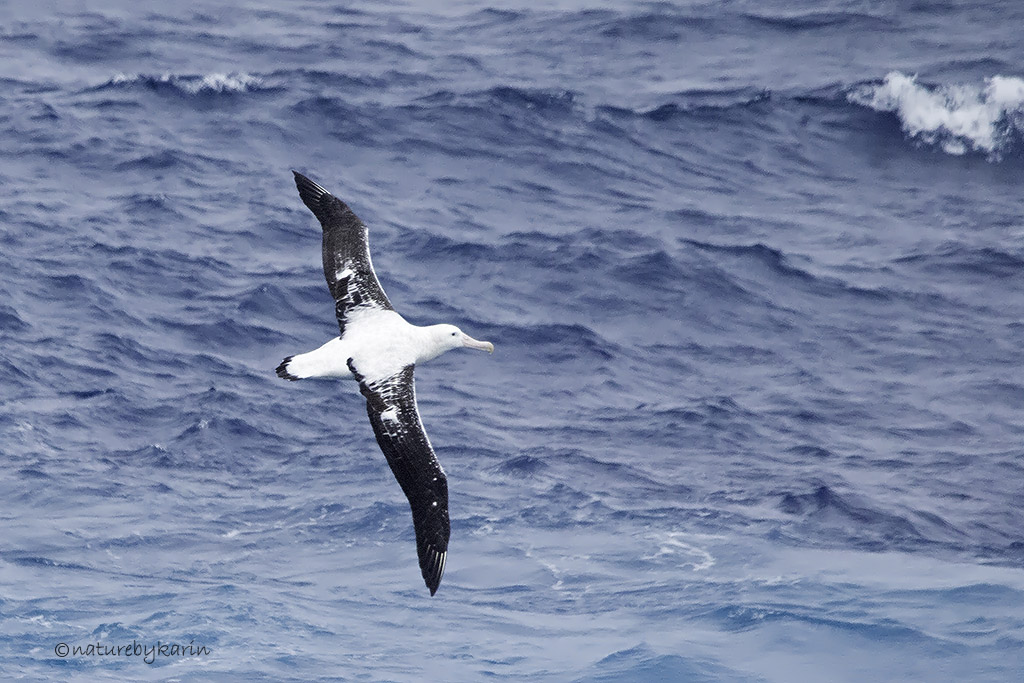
[{"x": 379, "y": 349}]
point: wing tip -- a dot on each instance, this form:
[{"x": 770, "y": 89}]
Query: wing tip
[
  {"x": 432, "y": 568},
  {"x": 310, "y": 192}
]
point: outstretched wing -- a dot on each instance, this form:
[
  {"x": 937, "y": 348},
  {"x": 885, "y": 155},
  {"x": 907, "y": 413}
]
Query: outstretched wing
[
  {"x": 346, "y": 253},
  {"x": 391, "y": 405}
]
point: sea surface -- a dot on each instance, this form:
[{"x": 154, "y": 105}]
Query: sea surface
[{"x": 754, "y": 272}]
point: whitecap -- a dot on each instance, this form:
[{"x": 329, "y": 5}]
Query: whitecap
[
  {"x": 194, "y": 84},
  {"x": 230, "y": 82},
  {"x": 958, "y": 118}
]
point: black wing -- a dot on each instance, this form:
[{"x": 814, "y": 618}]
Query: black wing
[
  {"x": 391, "y": 405},
  {"x": 346, "y": 252}
]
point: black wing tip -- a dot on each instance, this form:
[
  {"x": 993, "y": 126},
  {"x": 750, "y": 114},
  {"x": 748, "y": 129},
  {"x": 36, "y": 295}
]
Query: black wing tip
[
  {"x": 432, "y": 565},
  {"x": 282, "y": 370},
  {"x": 310, "y": 193},
  {"x": 301, "y": 180}
]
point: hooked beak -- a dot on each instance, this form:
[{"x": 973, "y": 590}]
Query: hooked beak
[{"x": 471, "y": 343}]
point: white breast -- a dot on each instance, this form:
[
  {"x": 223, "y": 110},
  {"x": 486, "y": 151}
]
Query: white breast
[{"x": 380, "y": 343}]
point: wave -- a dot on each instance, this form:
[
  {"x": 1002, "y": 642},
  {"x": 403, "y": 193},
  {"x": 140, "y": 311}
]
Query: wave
[
  {"x": 810, "y": 21},
  {"x": 958, "y": 118},
  {"x": 987, "y": 119},
  {"x": 987, "y": 261},
  {"x": 641, "y": 663},
  {"x": 667, "y": 23},
  {"x": 10, "y": 321},
  {"x": 189, "y": 84},
  {"x": 554, "y": 335},
  {"x": 866, "y": 524},
  {"x": 783, "y": 266},
  {"x": 695, "y": 102}
]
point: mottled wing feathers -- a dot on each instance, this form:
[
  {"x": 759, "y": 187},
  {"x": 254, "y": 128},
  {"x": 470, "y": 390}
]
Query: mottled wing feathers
[
  {"x": 346, "y": 253},
  {"x": 391, "y": 405}
]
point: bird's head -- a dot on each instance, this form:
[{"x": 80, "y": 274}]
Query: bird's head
[{"x": 448, "y": 337}]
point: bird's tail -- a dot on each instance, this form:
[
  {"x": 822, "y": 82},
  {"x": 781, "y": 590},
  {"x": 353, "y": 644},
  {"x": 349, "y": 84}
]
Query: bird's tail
[
  {"x": 323, "y": 363},
  {"x": 282, "y": 370}
]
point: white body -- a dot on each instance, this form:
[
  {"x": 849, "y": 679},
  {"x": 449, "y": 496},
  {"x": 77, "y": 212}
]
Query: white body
[{"x": 380, "y": 343}]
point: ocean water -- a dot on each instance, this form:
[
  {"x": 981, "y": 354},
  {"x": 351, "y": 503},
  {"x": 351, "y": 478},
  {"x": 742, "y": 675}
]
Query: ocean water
[{"x": 755, "y": 276}]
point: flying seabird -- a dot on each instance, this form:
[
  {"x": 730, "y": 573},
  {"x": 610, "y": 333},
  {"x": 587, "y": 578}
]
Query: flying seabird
[{"x": 379, "y": 349}]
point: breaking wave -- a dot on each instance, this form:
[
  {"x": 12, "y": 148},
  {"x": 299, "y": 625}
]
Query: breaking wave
[
  {"x": 958, "y": 118},
  {"x": 191, "y": 84}
]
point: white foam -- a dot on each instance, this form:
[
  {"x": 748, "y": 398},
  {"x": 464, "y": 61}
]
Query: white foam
[
  {"x": 956, "y": 117},
  {"x": 673, "y": 544},
  {"x": 238, "y": 82},
  {"x": 193, "y": 85}
]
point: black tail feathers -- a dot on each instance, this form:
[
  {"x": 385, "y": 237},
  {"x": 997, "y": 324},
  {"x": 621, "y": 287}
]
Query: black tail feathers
[{"x": 282, "y": 370}]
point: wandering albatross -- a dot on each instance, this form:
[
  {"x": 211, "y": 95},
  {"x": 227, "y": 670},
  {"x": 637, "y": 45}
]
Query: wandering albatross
[{"x": 379, "y": 349}]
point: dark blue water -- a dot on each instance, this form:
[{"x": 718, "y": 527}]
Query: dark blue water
[{"x": 755, "y": 276}]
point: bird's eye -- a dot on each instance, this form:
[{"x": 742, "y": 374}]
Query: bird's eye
[{"x": 455, "y": 334}]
